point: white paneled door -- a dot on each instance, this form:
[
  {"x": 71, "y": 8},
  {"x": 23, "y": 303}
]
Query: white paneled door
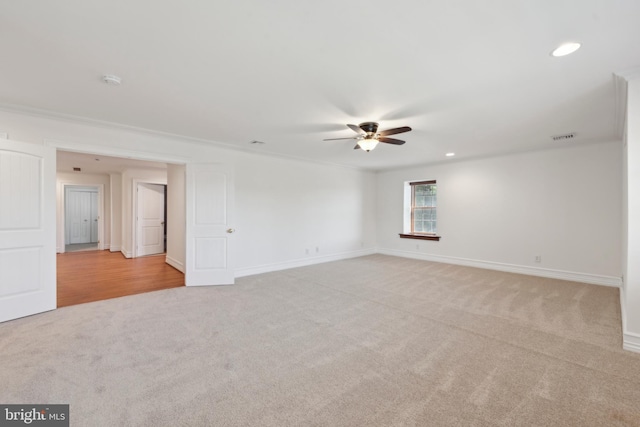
[
  {"x": 27, "y": 229},
  {"x": 209, "y": 218},
  {"x": 81, "y": 215},
  {"x": 150, "y": 219}
]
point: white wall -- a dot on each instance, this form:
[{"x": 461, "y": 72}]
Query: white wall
[
  {"x": 67, "y": 178},
  {"x": 631, "y": 303},
  {"x": 176, "y": 216},
  {"x": 291, "y": 213},
  {"x": 562, "y": 204},
  {"x": 282, "y": 206}
]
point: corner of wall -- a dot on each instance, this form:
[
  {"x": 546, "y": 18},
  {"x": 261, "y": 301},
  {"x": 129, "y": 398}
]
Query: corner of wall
[{"x": 175, "y": 263}]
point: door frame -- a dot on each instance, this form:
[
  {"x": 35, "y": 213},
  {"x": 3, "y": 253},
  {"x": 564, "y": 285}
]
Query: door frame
[
  {"x": 134, "y": 208},
  {"x": 133, "y": 154},
  {"x": 103, "y": 150},
  {"x": 61, "y": 225}
]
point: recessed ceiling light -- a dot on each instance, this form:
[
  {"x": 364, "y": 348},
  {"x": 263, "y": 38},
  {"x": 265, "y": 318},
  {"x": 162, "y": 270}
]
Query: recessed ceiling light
[
  {"x": 566, "y": 49},
  {"x": 450, "y": 154},
  {"x": 110, "y": 79}
]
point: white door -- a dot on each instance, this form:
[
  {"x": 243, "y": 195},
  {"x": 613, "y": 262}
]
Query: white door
[
  {"x": 78, "y": 214},
  {"x": 27, "y": 229},
  {"x": 150, "y": 219},
  {"x": 209, "y": 217}
]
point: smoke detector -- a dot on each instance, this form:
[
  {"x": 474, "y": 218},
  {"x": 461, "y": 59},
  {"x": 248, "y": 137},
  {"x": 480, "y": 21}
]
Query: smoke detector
[{"x": 110, "y": 79}]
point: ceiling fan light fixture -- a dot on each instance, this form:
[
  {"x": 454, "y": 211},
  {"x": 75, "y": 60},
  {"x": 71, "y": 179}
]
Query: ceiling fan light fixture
[{"x": 368, "y": 144}]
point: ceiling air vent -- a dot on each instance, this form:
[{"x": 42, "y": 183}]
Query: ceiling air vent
[
  {"x": 565, "y": 137},
  {"x": 255, "y": 141},
  {"x": 77, "y": 170}
]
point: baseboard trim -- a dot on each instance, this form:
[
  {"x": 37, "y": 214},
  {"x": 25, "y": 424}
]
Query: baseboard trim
[
  {"x": 175, "y": 263},
  {"x": 631, "y": 342},
  {"x": 126, "y": 253},
  {"x": 303, "y": 262},
  {"x": 115, "y": 248},
  {"x": 593, "y": 279}
]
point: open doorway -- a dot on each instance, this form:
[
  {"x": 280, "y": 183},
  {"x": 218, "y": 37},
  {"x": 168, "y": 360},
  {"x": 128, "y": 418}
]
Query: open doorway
[
  {"x": 133, "y": 198},
  {"x": 151, "y": 219}
]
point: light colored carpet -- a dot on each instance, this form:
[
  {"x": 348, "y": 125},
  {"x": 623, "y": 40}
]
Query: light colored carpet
[{"x": 371, "y": 341}]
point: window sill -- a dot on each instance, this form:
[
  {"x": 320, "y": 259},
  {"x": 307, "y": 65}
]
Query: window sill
[{"x": 420, "y": 236}]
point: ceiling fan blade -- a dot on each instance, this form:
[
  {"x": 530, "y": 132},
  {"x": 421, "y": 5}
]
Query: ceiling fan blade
[
  {"x": 394, "y": 131},
  {"x": 337, "y": 139},
  {"x": 357, "y": 147},
  {"x": 391, "y": 140},
  {"x": 356, "y": 129}
]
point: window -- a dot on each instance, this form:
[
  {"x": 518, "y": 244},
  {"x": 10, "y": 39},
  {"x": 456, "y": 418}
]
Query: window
[{"x": 421, "y": 203}]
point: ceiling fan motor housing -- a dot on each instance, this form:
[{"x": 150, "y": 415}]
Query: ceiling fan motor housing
[{"x": 369, "y": 127}]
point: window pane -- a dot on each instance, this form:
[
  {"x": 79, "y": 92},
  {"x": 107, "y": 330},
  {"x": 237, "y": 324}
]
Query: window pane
[{"x": 424, "y": 208}]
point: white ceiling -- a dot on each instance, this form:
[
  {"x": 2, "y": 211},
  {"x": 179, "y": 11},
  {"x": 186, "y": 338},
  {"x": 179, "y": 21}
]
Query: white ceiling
[
  {"x": 67, "y": 161},
  {"x": 471, "y": 77}
]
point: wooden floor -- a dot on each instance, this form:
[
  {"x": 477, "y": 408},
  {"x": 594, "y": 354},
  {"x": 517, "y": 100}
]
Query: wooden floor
[{"x": 98, "y": 275}]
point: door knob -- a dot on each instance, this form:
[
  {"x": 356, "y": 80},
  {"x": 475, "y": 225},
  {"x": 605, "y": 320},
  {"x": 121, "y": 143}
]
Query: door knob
[{"x": 230, "y": 230}]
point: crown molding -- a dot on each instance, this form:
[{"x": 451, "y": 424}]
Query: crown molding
[
  {"x": 629, "y": 74},
  {"x": 70, "y": 118},
  {"x": 620, "y": 84},
  {"x": 620, "y": 80}
]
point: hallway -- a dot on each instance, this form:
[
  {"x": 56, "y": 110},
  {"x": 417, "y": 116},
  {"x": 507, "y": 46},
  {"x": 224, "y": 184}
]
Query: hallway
[{"x": 98, "y": 275}]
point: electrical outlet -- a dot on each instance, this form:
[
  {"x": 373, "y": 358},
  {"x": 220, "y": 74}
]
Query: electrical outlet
[
  {"x": 538, "y": 258},
  {"x": 317, "y": 249},
  {"x": 306, "y": 251},
  {"x": 417, "y": 246}
]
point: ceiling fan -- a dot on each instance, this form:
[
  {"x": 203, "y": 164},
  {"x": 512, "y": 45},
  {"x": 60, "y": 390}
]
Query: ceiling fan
[{"x": 368, "y": 136}]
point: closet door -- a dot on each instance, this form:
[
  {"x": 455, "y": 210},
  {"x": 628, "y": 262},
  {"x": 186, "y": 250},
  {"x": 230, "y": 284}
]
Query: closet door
[{"x": 79, "y": 216}]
